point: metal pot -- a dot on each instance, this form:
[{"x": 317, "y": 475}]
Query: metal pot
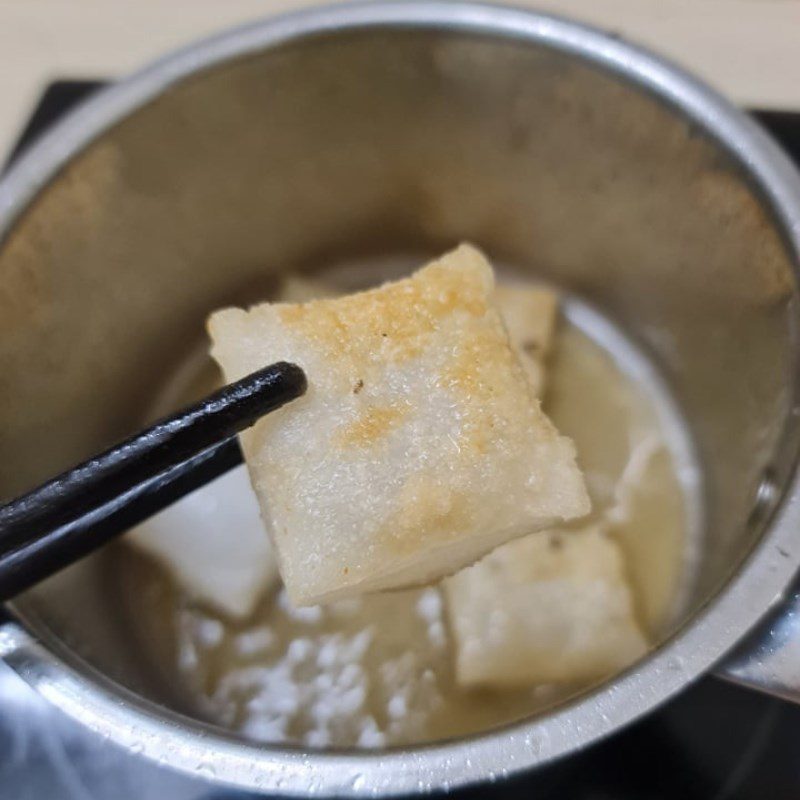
[{"x": 370, "y": 129}]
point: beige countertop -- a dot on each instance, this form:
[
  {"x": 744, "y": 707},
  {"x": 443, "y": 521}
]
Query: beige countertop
[{"x": 750, "y": 49}]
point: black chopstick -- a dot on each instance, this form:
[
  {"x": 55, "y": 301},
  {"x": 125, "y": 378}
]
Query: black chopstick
[{"x": 80, "y": 510}]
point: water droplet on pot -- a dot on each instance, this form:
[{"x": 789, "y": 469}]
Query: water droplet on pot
[
  {"x": 205, "y": 770},
  {"x": 358, "y": 781}
]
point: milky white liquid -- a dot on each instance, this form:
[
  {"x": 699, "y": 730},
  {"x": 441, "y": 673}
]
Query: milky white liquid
[{"x": 377, "y": 670}]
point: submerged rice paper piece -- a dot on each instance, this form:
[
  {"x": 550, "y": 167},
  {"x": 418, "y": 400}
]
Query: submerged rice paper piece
[
  {"x": 554, "y": 607},
  {"x": 214, "y": 544},
  {"x": 418, "y": 447},
  {"x": 302, "y": 289},
  {"x": 529, "y": 313}
]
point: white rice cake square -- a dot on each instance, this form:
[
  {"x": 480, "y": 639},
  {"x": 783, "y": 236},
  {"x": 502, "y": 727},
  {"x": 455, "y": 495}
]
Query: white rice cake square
[
  {"x": 213, "y": 544},
  {"x": 553, "y": 607},
  {"x": 529, "y": 313},
  {"x": 418, "y": 447}
]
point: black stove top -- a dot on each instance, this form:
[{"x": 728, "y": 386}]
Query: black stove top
[{"x": 714, "y": 742}]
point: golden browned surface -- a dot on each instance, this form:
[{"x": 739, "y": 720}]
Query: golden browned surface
[
  {"x": 397, "y": 320},
  {"x": 419, "y": 445},
  {"x": 374, "y": 423}
]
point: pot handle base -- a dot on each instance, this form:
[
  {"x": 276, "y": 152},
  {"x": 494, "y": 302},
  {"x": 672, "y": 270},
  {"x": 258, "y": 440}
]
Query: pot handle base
[
  {"x": 768, "y": 660},
  {"x": 13, "y": 636}
]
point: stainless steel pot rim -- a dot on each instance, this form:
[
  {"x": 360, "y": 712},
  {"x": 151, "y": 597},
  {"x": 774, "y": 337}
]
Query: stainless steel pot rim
[{"x": 143, "y": 726}]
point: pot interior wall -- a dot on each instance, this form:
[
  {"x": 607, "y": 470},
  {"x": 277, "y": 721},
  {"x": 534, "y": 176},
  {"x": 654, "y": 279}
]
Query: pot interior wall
[{"x": 399, "y": 142}]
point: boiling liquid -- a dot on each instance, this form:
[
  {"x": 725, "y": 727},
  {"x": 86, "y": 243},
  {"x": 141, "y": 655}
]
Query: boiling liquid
[{"x": 377, "y": 670}]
